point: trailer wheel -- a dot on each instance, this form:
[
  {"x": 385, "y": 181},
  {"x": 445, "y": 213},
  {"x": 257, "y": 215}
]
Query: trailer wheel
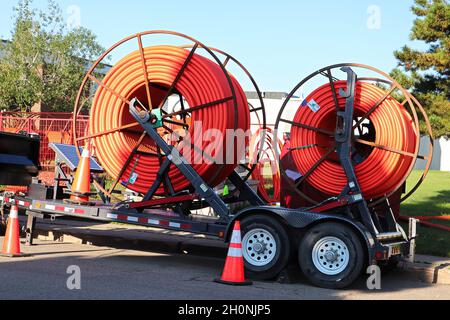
[
  {"x": 265, "y": 246},
  {"x": 331, "y": 255}
]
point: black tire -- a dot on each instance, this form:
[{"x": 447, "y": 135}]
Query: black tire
[
  {"x": 280, "y": 255},
  {"x": 354, "y": 252}
]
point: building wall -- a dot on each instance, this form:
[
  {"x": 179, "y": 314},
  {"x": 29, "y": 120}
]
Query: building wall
[
  {"x": 273, "y": 107},
  {"x": 441, "y": 154}
]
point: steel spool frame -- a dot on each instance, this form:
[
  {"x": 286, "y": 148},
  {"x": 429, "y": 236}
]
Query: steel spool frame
[
  {"x": 259, "y": 112},
  {"x": 393, "y": 85},
  {"x": 265, "y": 138},
  {"x": 429, "y": 156},
  {"x": 171, "y": 90}
]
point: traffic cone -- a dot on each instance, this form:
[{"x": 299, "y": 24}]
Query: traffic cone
[
  {"x": 11, "y": 244},
  {"x": 233, "y": 272},
  {"x": 81, "y": 186}
]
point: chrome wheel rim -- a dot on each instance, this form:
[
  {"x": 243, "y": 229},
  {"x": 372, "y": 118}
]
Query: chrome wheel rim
[
  {"x": 330, "y": 255},
  {"x": 259, "y": 247}
]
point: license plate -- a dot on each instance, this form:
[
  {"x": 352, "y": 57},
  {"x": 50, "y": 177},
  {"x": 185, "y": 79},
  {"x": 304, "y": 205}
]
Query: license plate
[{"x": 395, "y": 250}]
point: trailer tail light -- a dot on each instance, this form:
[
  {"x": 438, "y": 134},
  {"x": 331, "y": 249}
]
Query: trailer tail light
[{"x": 380, "y": 255}]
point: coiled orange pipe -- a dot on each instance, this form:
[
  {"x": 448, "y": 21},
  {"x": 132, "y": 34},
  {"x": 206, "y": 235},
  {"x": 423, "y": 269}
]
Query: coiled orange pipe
[
  {"x": 268, "y": 155},
  {"x": 381, "y": 171},
  {"x": 203, "y": 81}
]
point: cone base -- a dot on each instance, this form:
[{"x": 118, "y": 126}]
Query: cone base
[
  {"x": 14, "y": 255},
  {"x": 245, "y": 283}
]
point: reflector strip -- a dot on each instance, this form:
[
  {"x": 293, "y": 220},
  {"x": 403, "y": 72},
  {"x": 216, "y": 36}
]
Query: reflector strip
[
  {"x": 69, "y": 210},
  {"x": 111, "y": 216},
  {"x": 174, "y": 225},
  {"x": 236, "y": 236},
  {"x": 14, "y": 201},
  {"x": 234, "y": 252},
  {"x": 147, "y": 221},
  {"x": 64, "y": 209},
  {"x": 133, "y": 219},
  {"x": 143, "y": 220}
]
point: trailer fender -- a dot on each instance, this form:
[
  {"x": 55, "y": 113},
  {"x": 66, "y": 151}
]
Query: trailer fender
[{"x": 300, "y": 219}]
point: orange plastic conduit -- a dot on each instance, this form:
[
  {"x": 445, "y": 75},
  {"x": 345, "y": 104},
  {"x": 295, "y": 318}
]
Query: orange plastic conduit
[
  {"x": 268, "y": 156},
  {"x": 203, "y": 81},
  {"x": 381, "y": 172}
]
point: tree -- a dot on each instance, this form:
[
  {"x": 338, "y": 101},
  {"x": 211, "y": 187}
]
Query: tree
[
  {"x": 427, "y": 73},
  {"x": 44, "y": 61}
]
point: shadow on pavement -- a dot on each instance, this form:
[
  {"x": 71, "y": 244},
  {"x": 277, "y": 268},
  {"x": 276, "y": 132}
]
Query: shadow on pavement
[{"x": 123, "y": 274}]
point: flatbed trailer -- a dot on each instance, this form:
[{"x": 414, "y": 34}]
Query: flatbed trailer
[
  {"x": 333, "y": 241},
  {"x": 332, "y": 247},
  {"x": 296, "y": 223}
]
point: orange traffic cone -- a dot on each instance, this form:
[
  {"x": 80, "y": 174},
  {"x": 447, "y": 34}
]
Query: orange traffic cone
[
  {"x": 81, "y": 185},
  {"x": 11, "y": 244},
  {"x": 233, "y": 272}
]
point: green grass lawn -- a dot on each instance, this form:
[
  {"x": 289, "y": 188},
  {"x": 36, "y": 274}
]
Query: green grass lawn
[{"x": 431, "y": 199}]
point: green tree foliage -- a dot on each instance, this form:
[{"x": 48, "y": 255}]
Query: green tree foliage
[
  {"x": 427, "y": 73},
  {"x": 44, "y": 61}
]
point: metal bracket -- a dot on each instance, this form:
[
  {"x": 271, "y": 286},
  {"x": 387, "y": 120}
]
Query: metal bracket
[
  {"x": 343, "y": 137},
  {"x": 31, "y": 224},
  {"x": 412, "y": 234},
  {"x": 246, "y": 193},
  {"x": 174, "y": 156}
]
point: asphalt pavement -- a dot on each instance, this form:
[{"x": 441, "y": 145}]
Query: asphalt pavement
[{"x": 108, "y": 273}]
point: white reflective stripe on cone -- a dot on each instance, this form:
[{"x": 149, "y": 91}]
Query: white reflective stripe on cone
[
  {"x": 85, "y": 153},
  {"x": 13, "y": 213},
  {"x": 236, "y": 237},
  {"x": 235, "y": 252}
]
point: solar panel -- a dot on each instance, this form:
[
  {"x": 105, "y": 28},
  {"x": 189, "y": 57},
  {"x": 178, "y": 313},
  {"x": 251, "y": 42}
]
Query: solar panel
[{"x": 68, "y": 154}]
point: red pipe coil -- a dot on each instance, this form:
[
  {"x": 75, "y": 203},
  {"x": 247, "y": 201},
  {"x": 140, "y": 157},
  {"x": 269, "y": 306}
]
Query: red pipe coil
[
  {"x": 202, "y": 81},
  {"x": 268, "y": 155},
  {"x": 381, "y": 171}
]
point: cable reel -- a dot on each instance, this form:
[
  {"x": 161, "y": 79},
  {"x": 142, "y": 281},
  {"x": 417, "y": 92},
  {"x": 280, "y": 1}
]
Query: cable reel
[
  {"x": 385, "y": 135},
  {"x": 153, "y": 74}
]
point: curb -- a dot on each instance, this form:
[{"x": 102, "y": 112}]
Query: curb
[{"x": 433, "y": 273}]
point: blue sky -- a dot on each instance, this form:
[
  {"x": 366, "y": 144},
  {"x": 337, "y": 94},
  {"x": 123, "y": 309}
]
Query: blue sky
[{"x": 280, "y": 42}]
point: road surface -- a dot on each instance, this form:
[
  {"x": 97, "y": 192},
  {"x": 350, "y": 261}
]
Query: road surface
[{"x": 108, "y": 273}]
